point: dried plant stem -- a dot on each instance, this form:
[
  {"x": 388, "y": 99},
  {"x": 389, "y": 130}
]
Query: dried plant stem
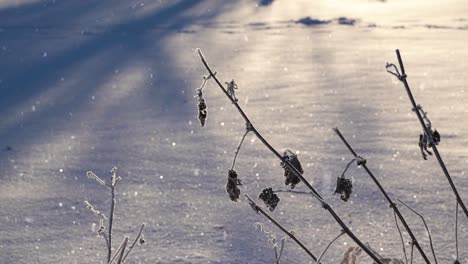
[
  {"x": 287, "y": 164},
  {"x": 402, "y": 78},
  {"x": 412, "y": 251},
  {"x": 329, "y": 245},
  {"x": 239, "y": 147},
  {"x": 134, "y": 242},
  {"x": 291, "y": 191},
  {"x": 425, "y": 225},
  {"x": 119, "y": 251},
  {"x": 456, "y": 229},
  {"x": 111, "y": 221},
  {"x": 288, "y": 233},
  {"x": 401, "y": 236},
  {"x": 124, "y": 245},
  {"x": 387, "y": 197}
]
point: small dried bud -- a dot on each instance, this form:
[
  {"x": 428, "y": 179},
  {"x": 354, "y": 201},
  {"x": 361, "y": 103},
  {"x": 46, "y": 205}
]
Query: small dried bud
[
  {"x": 231, "y": 186},
  {"x": 141, "y": 240},
  {"x": 436, "y": 137},
  {"x": 270, "y": 198},
  {"x": 456, "y": 262},
  {"x": 344, "y": 187},
  {"x": 202, "y": 111},
  {"x": 291, "y": 178}
]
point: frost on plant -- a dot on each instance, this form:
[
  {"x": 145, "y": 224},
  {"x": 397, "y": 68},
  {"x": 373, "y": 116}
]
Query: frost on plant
[
  {"x": 202, "y": 109},
  {"x": 291, "y": 178},
  {"x": 91, "y": 175},
  {"x": 425, "y": 141},
  {"x": 231, "y": 186},
  {"x": 231, "y": 87},
  {"x": 270, "y": 198}
]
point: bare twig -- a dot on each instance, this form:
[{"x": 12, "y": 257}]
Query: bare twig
[
  {"x": 288, "y": 165},
  {"x": 247, "y": 130},
  {"x": 137, "y": 238},
  {"x": 402, "y": 77},
  {"x": 291, "y": 191},
  {"x": 259, "y": 210},
  {"x": 119, "y": 251},
  {"x": 412, "y": 253},
  {"x": 114, "y": 180},
  {"x": 273, "y": 241},
  {"x": 425, "y": 225},
  {"x": 328, "y": 246},
  {"x": 401, "y": 237},
  {"x": 456, "y": 229},
  {"x": 124, "y": 245},
  {"x": 387, "y": 197}
]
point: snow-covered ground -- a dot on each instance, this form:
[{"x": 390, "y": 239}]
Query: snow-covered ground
[{"x": 88, "y": 85}]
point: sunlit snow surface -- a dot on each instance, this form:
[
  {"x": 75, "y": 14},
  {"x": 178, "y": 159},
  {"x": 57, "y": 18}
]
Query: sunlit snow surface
[{"x": 89, "y": 85}]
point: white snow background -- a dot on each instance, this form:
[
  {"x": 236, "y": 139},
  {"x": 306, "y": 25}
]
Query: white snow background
[{"x": 88, "y": 85}]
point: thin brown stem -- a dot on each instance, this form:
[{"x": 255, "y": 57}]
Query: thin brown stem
[
  {"x": 287, "y": 164},
  {"x": 134, "y": 242},
  {"x": 425, "y": 225},
  {"x": 239, "y": 147},
  {"x": 111, "y": 221},
  {"x": 456, "y": 229},
  {"x": 402, "y": 77},
  {"x": 119, "y": 250},
  {"x": 329, "y": 245},
  {"x": 259, "y": 210},
  {"x": 387, "y": 197},
  {"x": 401, "y": 236}
]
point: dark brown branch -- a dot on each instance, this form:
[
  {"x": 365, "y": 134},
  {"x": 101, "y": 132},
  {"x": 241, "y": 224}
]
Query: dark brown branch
[
  {"x": 387, "y": 197},
  {"x": 287, "y": 164},
  {"x": 259, "y": 210},
  {"x": 425, "y": 225},
  {"x": 402, "y": 78}
]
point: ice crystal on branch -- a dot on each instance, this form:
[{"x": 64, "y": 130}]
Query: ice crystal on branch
[
  {"x": 427, "y": 141},
  {"x": 291, "y": 178},
  {"x": 202, "y": 109},
  {"x": 231, "y": 87},
  {"x": 270, "y": 198},
  {"x": 231, "y": 186}
]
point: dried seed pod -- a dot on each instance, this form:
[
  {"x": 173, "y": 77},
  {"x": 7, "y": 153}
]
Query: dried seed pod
[
  {"x": 436, "y": 137},
  {"x": 291, "y": 178},
  {"x": 270, "y": 198},
  {"x": 344, "y": 187},
  {"x": 231, "y": 186},
  {"x": 202, "y": 111}
]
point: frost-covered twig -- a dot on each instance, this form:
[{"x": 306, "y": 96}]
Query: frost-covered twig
[
  {"x": 387, "y": 197},
  {"x": 138, "y": 238},
  {"x": 247, "y": 130},
  {"x": 329, "y": 245},
  {"x": 402, "y": 77},
  {"x": 287, "y": 164},
  {"x": 425, "y": 225},
  {"x": 119, "y": 252},
  {"x": 259, "y": 210},
  {"x": 273, "y": 241},
  {"x": 108, "y": 236},
  {"x": 401, "y": 236}
]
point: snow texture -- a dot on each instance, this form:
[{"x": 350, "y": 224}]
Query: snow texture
[{"x": 89, "y": 85}]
